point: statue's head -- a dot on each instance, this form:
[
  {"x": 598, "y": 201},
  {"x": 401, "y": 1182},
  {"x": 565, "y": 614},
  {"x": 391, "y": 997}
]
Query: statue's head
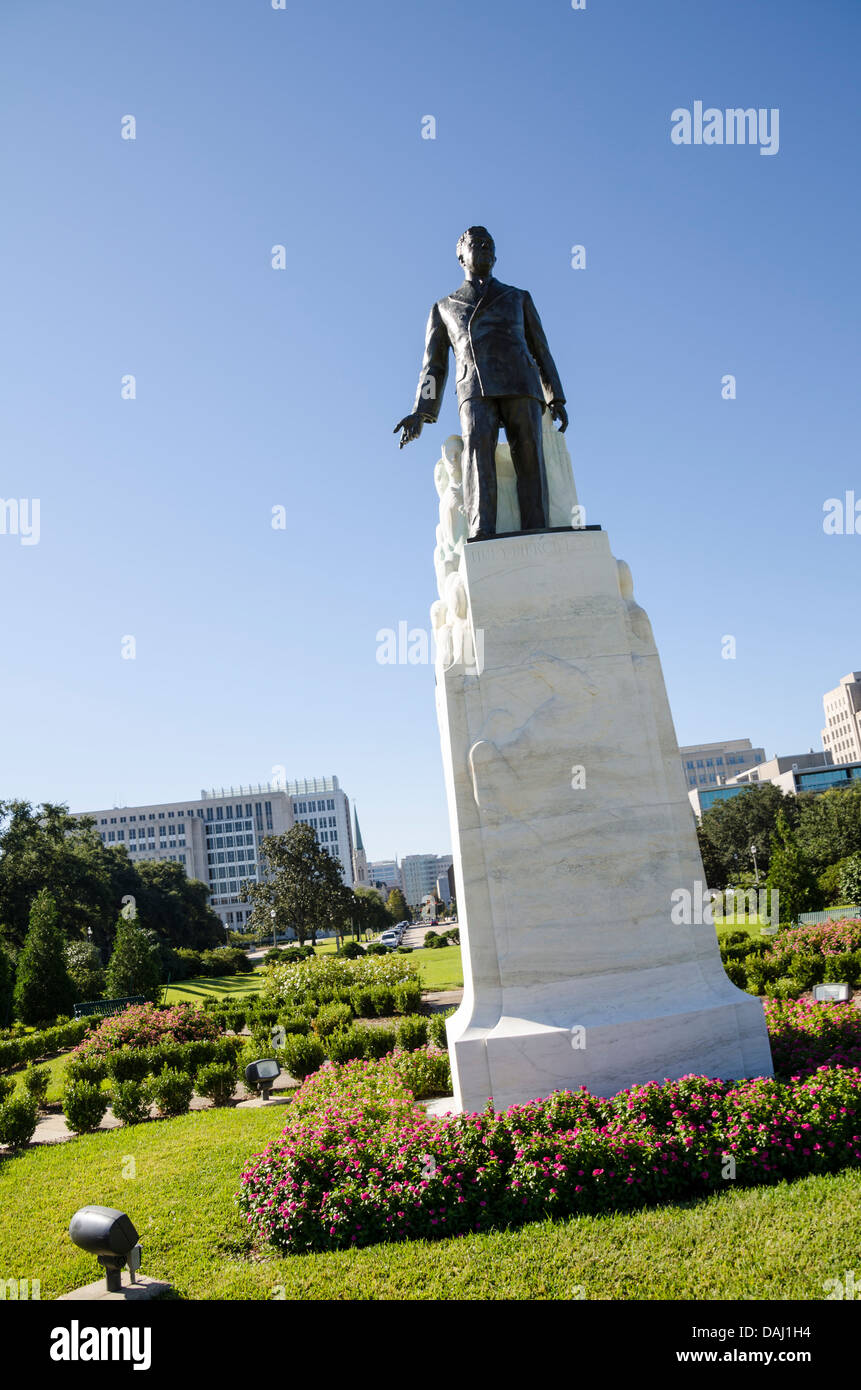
[{"x": 476, "y": 251}]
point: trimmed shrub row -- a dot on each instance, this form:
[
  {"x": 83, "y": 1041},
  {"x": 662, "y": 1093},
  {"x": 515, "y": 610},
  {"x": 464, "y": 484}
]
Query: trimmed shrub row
[
  {"x": 133, "y": 1064},
  {"x": 786, "y": 975},
  {"x": 170, "y": 1090},
  {"x": 32, "y": 1047}
]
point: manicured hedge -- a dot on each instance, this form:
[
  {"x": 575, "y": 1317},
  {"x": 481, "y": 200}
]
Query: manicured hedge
[{"x": 32, "y": 1047}]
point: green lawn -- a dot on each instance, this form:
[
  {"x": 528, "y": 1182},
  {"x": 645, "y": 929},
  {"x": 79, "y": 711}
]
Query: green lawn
[
  {"x": 56, "y": 1067},
  {"x": 440, "y": 969},
  {"x": 221, "y": 987},
  {"x": 761, "y": 1243}
]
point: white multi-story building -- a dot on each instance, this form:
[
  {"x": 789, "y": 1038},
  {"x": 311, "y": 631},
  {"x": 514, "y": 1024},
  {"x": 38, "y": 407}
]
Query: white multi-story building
[
  {"x": 711, "y": 764},
  {"x": 385, "y": 872},
  {"x": 841, "y": 736},
  {"x": 217, "y": 839},
  {"x": 320, "y": 803},
  {"x": 419, "y": 873}
]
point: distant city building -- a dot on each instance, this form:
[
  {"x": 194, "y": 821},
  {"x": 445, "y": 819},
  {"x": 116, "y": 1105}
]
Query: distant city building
[
  {"x": 841, "y": 736},
  {"x": 419, "y": 873},
  {"x": 805, "y": 772},
  {"x": 710, "y": 764},
  {"x": 217, "y": 839},
  {"x": 443, "y": 889},
  {"x": 385, "y": 875},
  {"x": 795, "y": 773}
]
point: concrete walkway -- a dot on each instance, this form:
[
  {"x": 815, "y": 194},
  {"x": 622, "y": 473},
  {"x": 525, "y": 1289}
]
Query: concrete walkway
[{"x": 51, "y": 1128}]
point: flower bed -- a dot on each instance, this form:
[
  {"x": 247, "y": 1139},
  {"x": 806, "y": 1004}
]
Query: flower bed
[
  {"x": 360, "y": 1162},
  {"x": 146, "y": 1025},
  {"x": 819, "y": 939},
  {"x": 805, "y": 1035}
]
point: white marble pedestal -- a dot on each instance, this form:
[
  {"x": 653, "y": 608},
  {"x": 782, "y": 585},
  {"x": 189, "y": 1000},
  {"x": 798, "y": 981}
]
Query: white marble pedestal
[{"x": 571, "y": 829}]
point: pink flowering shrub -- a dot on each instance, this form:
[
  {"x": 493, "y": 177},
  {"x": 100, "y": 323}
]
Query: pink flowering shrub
[
  {"x": 145, "y": 1025},
  {"x": 360, "y": 1162},
  {"x": 805, "y": 1035},
  {"x": 834, "y": 938}
]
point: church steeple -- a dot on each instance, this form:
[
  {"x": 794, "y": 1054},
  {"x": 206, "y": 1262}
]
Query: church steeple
[{"x": 360, "y": 861}]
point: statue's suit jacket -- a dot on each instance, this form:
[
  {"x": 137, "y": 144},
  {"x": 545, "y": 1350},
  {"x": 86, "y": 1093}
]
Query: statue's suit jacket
[{"x": 498, "y": 343}]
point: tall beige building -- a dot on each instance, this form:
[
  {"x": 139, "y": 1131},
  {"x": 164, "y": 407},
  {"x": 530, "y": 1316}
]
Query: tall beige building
[
  {"x": 841, "y": 736},
  {"x": 217, "y": 839},
  {"x": 711, "y": 764}
]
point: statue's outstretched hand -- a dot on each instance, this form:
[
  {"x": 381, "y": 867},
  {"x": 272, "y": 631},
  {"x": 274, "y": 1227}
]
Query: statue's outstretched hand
[
  {"x": 411, "y": 426},
  {"x": 558, "y": 412}
]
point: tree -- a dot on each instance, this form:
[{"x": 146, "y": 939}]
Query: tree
[
  {"x": 90, "y": 881},
  {"x": 790, "y": 873},
  {"x": 369, "y": 911},
  {"x": 49, "y": 848},
  {"x": 42, "y": 986},
  {"x": 397, "y": 906},
  {"x": 301, "y": 884},
  {"x": 850, "y": 880},
  {"x": 7, "y": 987},
  {"x": 176, "y": 907},
  {"x": 729, "y": 828},
  {"x": 829, "y": 827},
  {"x": 135, "y": 965},
  {"x": 85, "y": 970}
]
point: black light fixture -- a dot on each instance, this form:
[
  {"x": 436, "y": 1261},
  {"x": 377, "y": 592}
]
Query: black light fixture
[
  {"x": 110, "y": 1236},
  {"x": 263, "y": 1073}
]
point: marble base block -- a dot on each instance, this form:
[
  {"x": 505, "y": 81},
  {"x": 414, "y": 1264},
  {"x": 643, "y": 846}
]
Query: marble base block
[{"x": 571, "y": 831}]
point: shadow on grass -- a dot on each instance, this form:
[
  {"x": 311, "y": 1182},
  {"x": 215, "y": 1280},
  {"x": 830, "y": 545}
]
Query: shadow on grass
[{"x": 206, "y": 986}]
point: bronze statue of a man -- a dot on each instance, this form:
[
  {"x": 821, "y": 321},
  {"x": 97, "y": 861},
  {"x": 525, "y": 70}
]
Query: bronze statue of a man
[{"x": 505, "y": 376}]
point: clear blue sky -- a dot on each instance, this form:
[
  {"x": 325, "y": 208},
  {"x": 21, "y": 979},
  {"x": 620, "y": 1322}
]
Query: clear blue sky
[{"x": 257, "y": 647}]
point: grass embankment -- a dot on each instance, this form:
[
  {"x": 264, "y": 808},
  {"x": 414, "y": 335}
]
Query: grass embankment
[
  {"x": 760, "y": 1243},
  {"x": 221, "y": 987}
]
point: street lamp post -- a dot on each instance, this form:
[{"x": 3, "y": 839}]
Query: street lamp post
[
  {"x": 755, "y": 865},
  {"x": 272, "y": 915}
]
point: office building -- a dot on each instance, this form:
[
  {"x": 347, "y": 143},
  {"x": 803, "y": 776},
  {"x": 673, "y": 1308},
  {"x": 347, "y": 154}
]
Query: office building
[
  {"x": 841, "y": 736},
  {"x": 710, "y": 764},
  {"x": 217, "y": 838},
  {"x": 419, "y": 873},
  {"x": 794, "y": 773},
  {"x": 385, "y": 875}
]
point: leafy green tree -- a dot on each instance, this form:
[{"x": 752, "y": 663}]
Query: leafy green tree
[
  {"x": 729, "y": 828},
  {"x": 7, "y": 987},
  {"x": 42, "y": 985},
  {"x": 302, "y": 884},
  {"x": 790, "y": 873},
  {"x": 85, "y": 970},
  {"x": 829, "y": 826},
  {"x": 850, "y": 880},
  {"x": 369, "y": 912},
  {"x": 176, "y": 907},
  {"x": 135, "y": 965},
  {"x": 49, "y": 848},
  {"x": 397, "y": 906}
]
